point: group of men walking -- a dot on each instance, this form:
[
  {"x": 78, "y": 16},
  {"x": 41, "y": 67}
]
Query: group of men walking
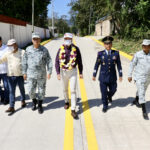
[
  {"x": 35, "y": 65},
  {"x": 109, "y": 59},
  {"x": 19, "y": 65}
]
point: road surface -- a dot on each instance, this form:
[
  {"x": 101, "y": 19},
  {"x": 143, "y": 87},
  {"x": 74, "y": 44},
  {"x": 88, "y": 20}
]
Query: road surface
[{"x": 121, "y": 128}]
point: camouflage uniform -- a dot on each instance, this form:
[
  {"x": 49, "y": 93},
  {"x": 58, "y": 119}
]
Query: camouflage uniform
[
  {"x": 141, "y": 68},
  {"x": 34, "y": 66}
]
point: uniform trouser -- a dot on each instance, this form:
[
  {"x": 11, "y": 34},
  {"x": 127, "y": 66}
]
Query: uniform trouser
[
  {"x": 4, "y": 78},
  {"x": 33, "y": 84},
  {"x": 107, "y": 90},
  {"x": 13, "y": 82},
  {"x": 141, "y": 89},
  {"x": 72, "y": 76}
]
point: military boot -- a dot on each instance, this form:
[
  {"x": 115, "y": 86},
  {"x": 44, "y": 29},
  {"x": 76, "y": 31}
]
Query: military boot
[
  {"x": 34, "y": 102},
  {"x": 145, "y": 115},
  {"x": 136, "y": 102},
  {"x": 40, "y": 107}
]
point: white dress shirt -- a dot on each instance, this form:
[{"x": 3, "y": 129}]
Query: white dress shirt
[
  {"x": 3, "y": 67},
  {"x": 107, "y": 51}
]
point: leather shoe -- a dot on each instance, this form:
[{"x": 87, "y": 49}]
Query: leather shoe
[
  {"x": 66, "y": 106},
  {"x": 74, "y": 114},
  {"x": 10, "y": 110}
]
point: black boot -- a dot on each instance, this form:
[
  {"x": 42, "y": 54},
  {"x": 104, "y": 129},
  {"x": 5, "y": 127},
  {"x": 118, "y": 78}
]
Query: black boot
[
  {"x": 145, "y": 115},
  {"x": 136, "y": 102},
  {"x": 40, "y": 108},
  {"x": 34, "y": 104}
]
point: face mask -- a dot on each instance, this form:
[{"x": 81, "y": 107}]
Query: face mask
[
  {"x": 68, "y": 42},
  {"x": 11, "y": 48}
]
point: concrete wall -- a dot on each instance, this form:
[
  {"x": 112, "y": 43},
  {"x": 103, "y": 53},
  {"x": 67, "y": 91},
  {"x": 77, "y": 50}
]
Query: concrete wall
[
  {"x": 103, "y": 28},
  {"x": 21, "y": 33}
]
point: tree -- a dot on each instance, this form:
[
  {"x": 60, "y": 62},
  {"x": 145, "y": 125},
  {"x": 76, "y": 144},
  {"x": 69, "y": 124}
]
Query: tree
[
  {"x": 22, "y": 9},
  {"x": 61, "y": 24},
  {"x": 130, "y": 17}
]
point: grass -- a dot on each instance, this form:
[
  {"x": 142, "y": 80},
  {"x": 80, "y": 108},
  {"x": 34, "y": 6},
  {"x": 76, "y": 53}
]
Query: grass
[{"x": 128, "y": 46}]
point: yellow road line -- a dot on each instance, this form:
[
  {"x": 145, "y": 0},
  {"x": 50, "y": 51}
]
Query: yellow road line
[
  {"x": 68, "y": 135},
  {"x": 45, "y": 42},
  {"x": 90, "y": 132},
  {"x": 121, "y": 52}
]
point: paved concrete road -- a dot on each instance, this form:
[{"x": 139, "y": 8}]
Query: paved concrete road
[{"x": 121, "y": 128}]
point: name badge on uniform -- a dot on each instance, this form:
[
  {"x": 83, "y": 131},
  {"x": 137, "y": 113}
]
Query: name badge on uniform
[{"x": 114, "y": 58}]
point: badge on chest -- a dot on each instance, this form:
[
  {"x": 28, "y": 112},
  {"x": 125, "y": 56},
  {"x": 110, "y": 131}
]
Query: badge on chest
[
  {"x": 103, "y": 60},
  {"x": 114, "y": 58}
]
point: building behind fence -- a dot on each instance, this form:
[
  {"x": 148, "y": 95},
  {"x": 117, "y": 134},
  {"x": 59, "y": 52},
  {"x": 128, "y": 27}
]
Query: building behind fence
[{"x": 20, "y": 30}]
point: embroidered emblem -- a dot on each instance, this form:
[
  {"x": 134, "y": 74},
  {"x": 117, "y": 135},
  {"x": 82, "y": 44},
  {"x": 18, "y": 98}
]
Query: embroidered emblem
[{"x": 114, "y": 58}]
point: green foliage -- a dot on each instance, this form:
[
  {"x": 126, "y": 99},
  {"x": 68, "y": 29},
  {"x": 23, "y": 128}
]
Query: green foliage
[
  {"x": 61, "y": 24},
  {"x": 22, "y": 9},
  {"x": 130, "y": 17},
  {"x": 129, "y": 46}
]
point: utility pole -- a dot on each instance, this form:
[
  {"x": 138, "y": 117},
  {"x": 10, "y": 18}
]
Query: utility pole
[
  {"x": 52, "y": 18},
  {"x": 32, "y": 16}
]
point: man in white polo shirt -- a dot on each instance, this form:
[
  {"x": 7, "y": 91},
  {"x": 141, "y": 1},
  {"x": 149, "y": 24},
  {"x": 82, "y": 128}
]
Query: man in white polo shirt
[{"x": 3, "y": 75}]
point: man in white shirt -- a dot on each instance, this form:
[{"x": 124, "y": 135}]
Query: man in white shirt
[
  {"x": 3, "y": 75},
  {"x": 15, "y": 77}
]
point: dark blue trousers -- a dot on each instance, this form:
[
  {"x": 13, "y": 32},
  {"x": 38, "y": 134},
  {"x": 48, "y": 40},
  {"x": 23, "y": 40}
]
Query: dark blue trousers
[
  {"x": 4, "y": 95},
  {"x": 107, "y": 90},
  {"x": 13, "y": 82}
]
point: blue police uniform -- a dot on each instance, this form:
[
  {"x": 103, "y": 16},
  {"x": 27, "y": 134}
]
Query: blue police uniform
[{"x": 108, "y": 77}]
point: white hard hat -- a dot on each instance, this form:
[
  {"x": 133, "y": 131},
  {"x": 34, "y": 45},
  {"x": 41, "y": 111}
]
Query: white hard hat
[
  {"x": 146, "y": 42},
  {"x": 35, "y": 35},
  {"x": 68, "y": 35},
  {"x": 11, "y": 42}
]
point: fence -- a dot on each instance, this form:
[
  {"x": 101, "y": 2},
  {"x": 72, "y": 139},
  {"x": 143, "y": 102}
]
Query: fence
[{"x": 21, "y": 31}]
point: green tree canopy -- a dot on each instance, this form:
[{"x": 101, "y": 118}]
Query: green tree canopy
[
  {"x": 131, "y": 17},
  {"x": 22, "y": 9}
]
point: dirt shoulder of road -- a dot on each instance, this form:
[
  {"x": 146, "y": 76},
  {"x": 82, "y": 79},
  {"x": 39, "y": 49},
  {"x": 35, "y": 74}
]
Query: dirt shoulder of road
[{"x": 127, "y": 46}]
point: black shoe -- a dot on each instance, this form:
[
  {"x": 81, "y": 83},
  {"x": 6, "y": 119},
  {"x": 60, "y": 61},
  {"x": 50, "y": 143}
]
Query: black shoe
[
  {"x": 34, "y": 102},
  {"x": 40, "y": 108},
  {"x": 23, "y": 104},
  {"x": 145, "y": 115},
  {"x": 110, "y": 99},
  {"x": 2, "y": 100},
  {"x": 105, "y": 110}
]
